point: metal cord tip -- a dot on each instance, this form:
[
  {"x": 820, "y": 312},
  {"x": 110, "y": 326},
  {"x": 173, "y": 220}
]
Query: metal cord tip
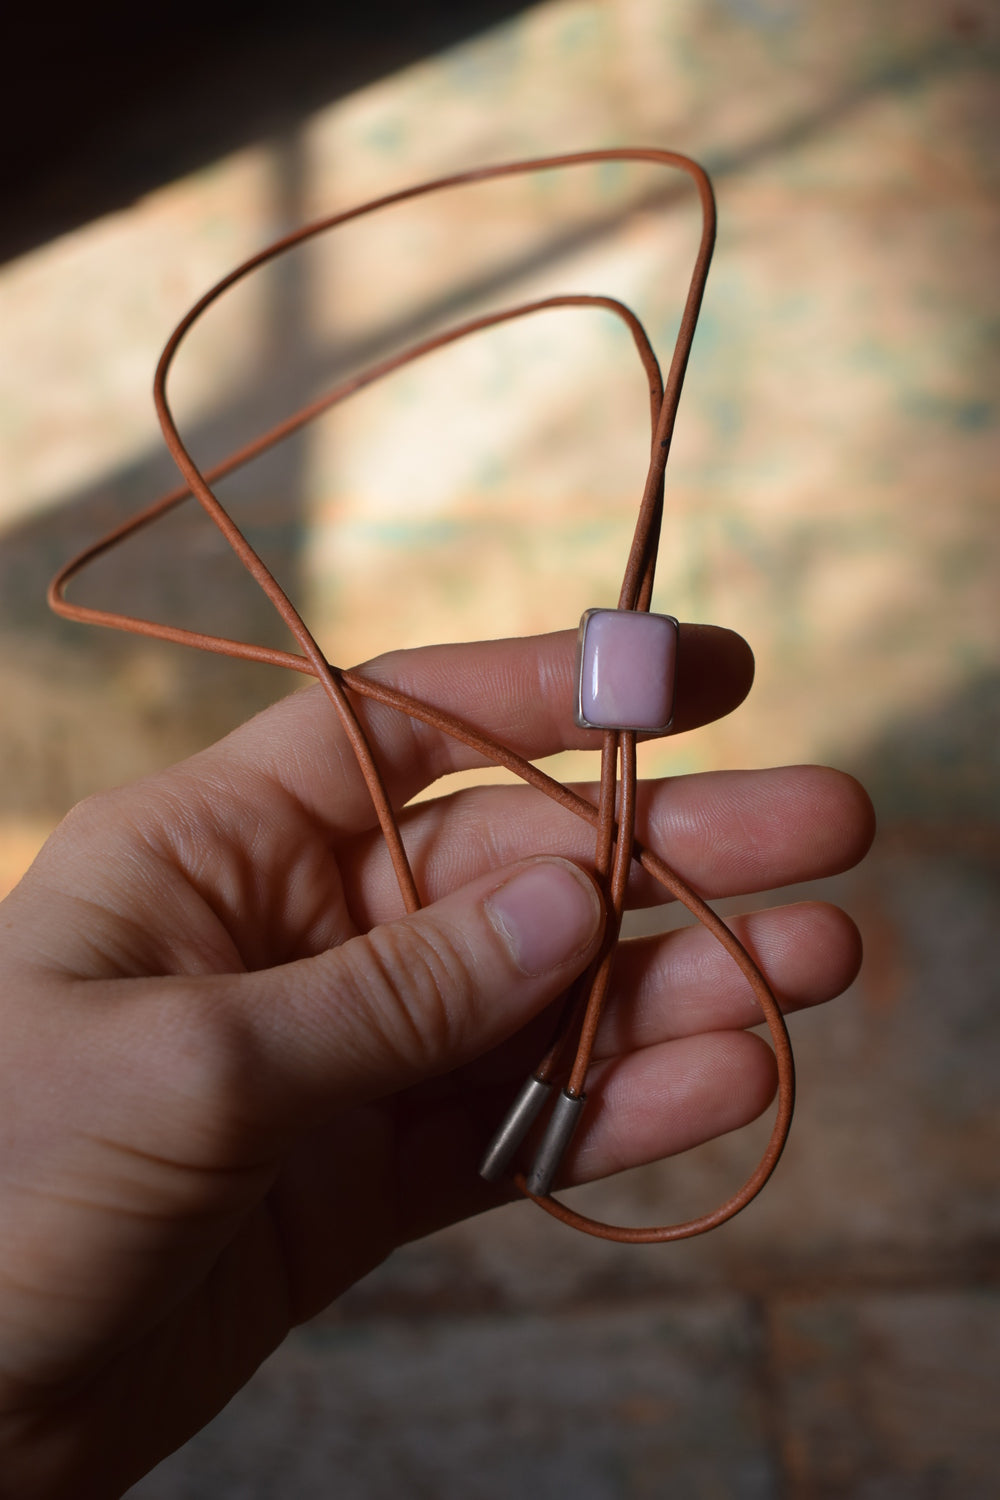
[
  {"x": 565, "y": 1118},
  {"x": 515, "y": 1126}
]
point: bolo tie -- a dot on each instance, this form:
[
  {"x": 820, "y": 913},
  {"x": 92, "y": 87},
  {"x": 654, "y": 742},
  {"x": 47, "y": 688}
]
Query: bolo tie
[{"x": 626, "y": 669}]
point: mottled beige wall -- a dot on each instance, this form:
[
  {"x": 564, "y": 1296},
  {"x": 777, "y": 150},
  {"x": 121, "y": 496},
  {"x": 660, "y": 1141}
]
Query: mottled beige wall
[{"x": 831, "y": 489}]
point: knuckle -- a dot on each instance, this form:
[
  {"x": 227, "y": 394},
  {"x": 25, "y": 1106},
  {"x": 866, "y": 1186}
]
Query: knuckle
[
  {"x": 201, "y": 1077},
  {"x": 410, "y": 989},
  {"x": 89, "y": 818}
]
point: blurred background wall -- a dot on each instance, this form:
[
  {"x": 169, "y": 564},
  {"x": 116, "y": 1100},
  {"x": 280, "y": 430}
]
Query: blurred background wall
[{"x": 831, "y": 495}]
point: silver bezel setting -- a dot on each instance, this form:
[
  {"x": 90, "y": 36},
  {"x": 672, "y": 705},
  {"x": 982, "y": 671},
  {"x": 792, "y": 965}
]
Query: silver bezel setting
[{"x": 578, "y": 716}]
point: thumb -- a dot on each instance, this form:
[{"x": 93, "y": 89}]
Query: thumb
[{"x": 420, "y": 996}]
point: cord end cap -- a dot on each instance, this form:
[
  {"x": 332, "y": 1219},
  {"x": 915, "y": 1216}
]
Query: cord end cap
[
  {"x": 566, "y": 1114},
  {"x": 513, "y": 1128}
]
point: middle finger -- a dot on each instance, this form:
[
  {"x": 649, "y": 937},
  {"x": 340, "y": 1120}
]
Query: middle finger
[{"x": 727, "y": 833}]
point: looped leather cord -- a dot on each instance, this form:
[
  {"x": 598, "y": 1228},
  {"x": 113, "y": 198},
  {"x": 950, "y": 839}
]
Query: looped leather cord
[{"x": 616, "y": 844}]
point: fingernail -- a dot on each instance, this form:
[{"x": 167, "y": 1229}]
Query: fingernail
[{"x": 545, "y": 914}]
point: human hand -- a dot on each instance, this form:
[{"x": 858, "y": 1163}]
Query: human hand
[{"x": 233, "y": 1079}]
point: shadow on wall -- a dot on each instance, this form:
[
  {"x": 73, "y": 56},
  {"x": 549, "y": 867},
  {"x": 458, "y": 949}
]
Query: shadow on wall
[
  {"x": 938, "y": 774},
  {"x": 158, "y": 702},
  {"x": 112, "y": 104},
  {"x": 929, "y": 896}
]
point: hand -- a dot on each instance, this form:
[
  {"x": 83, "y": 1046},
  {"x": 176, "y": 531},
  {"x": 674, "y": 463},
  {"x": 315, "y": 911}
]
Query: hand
[{"x": 233, "y": 1078}]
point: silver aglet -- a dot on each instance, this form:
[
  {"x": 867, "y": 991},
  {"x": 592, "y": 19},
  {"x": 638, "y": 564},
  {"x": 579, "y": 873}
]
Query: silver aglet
[
  {"x": 565, "y": 1118},
  {"x": 515, "y": 1126}
]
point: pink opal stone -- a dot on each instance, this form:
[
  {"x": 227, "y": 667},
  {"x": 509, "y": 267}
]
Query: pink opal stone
[{"x": 627, "y": 666}]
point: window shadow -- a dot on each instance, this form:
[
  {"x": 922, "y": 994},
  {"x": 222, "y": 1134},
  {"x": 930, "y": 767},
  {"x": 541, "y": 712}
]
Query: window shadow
[
  {"x": 159, "y": 702},
  {"x": 110, "y": 103}
]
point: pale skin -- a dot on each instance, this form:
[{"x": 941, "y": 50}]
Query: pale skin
[{"x": 233, "y": 1078}]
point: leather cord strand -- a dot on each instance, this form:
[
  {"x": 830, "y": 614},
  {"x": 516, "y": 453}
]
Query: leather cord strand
[{"x": 617, "y": 847}]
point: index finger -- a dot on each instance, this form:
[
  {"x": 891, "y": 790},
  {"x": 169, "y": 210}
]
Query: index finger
[{"x": 518, "y": 691}]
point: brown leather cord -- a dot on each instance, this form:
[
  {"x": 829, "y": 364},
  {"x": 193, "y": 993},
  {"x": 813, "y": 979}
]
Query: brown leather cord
[{"x": 617, "y": 848}]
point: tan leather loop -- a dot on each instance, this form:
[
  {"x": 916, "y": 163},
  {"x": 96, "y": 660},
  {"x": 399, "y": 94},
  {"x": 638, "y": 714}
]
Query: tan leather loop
[{"x": 616, "y": 845}]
